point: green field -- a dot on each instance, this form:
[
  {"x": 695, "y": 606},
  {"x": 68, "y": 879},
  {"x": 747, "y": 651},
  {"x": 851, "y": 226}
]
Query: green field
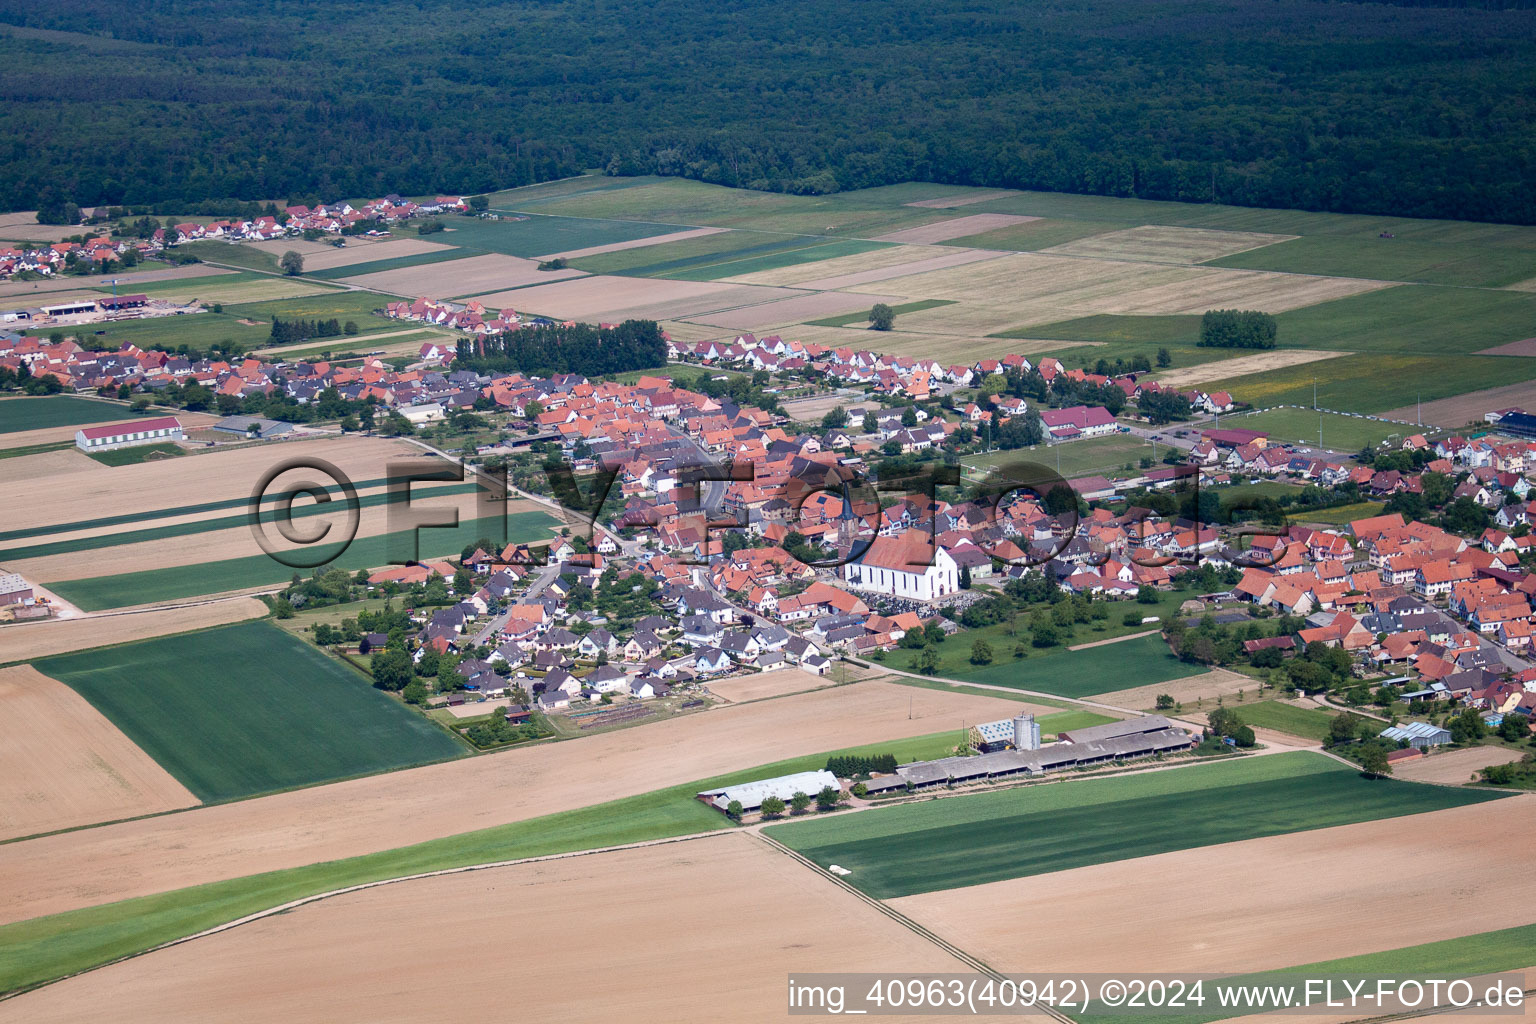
[
  {"x": 1340, "y": 515},
  {"x": 420, "y": 259},
  {"x": 693, "y": 203},
  {"x": 1501, "y": 256},
  {"x": 1272, "y": 714},
  {"x": 691, "y": 254},
  {"x": 214, "y": 251},
  {"x": 540, "y": 235},
  {"x": 338, "y": 304},
  {"x": 1094, "y": 455},
  {"x": 1065, "y": 673},
  {"x": 17, "y": 414},
  {"x": 35, "y": 449},
  {"x": 1342, "y": 433},
  {"x": 1036, "y": 234},
  {"x": 247, "y": 709},
  {"x": 806, "y": 250},
  {"x": 138, "y": 454},
  {"x": 180, "y": 581},
  {"x": 197, "y": 330},
  {"x": 970, "y": 840},
  {"x": 1376, "y": 383}
]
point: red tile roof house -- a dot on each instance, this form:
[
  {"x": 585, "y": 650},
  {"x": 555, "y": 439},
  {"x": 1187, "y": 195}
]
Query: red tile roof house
[
  {"x": 126, "y": 435},
  {"x": 1078, "y": 421}
]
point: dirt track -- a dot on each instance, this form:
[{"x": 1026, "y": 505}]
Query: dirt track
[
  {"x": 1258, "y": 904},
  {"x": 708, "y": 929},
  {"x": 65, "y": 765},
  {"x": 116, "y": 862}
]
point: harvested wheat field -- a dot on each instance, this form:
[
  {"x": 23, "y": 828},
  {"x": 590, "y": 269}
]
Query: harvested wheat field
[
  {"x": 1156, "y": 243},
  {"x": 1305, "y": 897},
  {"x": 1276, "y": 359},
  {"x": 23, "y": 227},
  {"x": 65, "y": 765},
  {"x": 633, "y": 243},
  {"x": 25, "y": 641},
  {"x": 104, "y": 284},
  {"x": 472, "y": 275},
  {"x": 963, "y": 199},
  {"x": 385, "y": 250},
  {"x": 149, "y": 486},
  {"x": 657, "y": 929},
  {"x": 48, "y": 465},
  {"x": 52, "y": 874},
  {"x": 768, "y": 684},
  {"x": 1454, "y": 767},
  {"x": 681, "y": 330},
  {"x": 1186, "y": 691},
  {"x": 794, "y": 310},
  {"x": 1460, "y": 410},
  {"x": 955, "y": 227},
  {"x": 1524, "y": 347},
  {"x": 1042, "y": 288},
  {"x": 889, "y": 261},
  {"x": 618, "y": 298}
]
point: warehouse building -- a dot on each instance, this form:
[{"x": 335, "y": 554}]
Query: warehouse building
[
  {"x": 752, "y": 794},
  {"x": 126, "y": 435}
]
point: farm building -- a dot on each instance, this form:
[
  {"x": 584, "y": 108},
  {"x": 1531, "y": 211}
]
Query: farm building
[
  {"x": 70, "y": 308},
  {"x": 14, "y": 590},
  {"x": 126, "y": 435},
  {"x": 1100, "y": 744},
  {"x": 752, "y": 794},
  {"x": 1418, "y": 734},
  {"x": 114, "y": 303},
  {"x": 1020, "y": 732},
  {"x": 252, "y": 426}
]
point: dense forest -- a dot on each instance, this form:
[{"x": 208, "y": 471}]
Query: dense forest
[
  {"x": 583, "y": 349},
  {"x": 1407, "y": 107}
]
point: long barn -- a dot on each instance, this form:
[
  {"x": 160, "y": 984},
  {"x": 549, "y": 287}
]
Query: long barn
[{"x": 126, "y": 435}]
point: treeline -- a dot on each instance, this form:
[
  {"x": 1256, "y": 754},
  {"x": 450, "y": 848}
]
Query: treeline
[
  {"x": 1403, "y": 110},
  {"x": 583, "y": 349},
  {"x": 851, "y": 766},
  {"x": 287, "y": 331}
]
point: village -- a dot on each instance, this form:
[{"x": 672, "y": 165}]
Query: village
[{"x": 808, "y": 575}]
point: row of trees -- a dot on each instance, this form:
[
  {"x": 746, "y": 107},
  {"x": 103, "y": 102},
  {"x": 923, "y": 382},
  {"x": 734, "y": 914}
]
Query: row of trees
[
  {"x": 286, "y": 332},
  {"x": 852, "y": 766}
]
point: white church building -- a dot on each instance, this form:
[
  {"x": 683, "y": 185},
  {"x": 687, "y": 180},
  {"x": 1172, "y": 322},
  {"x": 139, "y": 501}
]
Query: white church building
[{"x": 906, "y": 566}]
